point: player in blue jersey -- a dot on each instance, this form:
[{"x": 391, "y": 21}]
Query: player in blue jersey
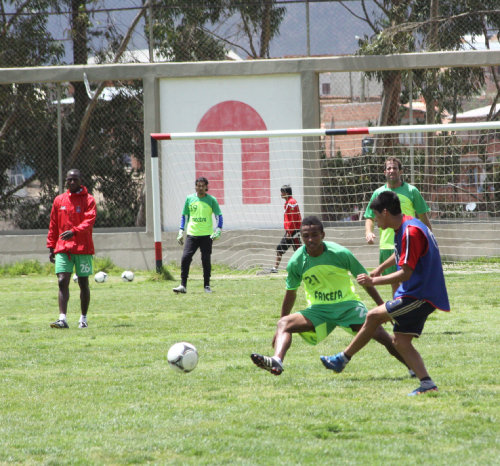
[{"x": 422, "y": 289}]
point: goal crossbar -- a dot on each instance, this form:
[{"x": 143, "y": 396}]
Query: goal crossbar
[{"x": 481, "y": 125}]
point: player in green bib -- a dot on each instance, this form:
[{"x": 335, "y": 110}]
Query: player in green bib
[
  {"x": 326, "y": 269},
  {"x": 197, "y": 220},
  {"x": 412, "y": 204}
]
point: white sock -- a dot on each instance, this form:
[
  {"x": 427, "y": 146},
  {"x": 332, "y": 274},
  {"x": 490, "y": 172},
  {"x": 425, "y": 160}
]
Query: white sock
[
  {"x": 83, "y": 318},
  {"x": 62, "y": 316},
  {"x": 278, "y": 360}
]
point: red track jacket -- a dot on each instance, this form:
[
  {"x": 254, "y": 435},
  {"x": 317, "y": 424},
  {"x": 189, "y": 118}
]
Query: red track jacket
[
  {"x": 292, "y": 217},
  {"x": 75, "y": 212}
]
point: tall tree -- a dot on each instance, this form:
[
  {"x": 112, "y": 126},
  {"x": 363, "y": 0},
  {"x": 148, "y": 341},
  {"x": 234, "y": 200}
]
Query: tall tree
[
  {"x": 180, "y": 30},
  {"x": 102, "y": 137},
  {"x": 400, "y": 27},
  {"x": 25, "y": 117},
  {"x": 260, "y": 22}
]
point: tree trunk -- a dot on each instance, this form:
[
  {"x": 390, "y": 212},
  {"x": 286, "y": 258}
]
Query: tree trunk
[
  {"x": 265, "y": 33},
  {"x": 389, "y": 111},
  {"x": 430, "y": 115},
  {"x": 80, "y": 57}
]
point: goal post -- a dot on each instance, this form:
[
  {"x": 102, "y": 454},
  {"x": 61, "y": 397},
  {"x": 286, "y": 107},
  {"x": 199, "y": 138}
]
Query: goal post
[{"x": 333, "y": 173}]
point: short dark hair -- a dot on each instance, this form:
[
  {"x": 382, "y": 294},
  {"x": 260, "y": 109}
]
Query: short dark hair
[
  {"x": 74, "y": 172},
  {"x": 387, "y": 200},
  {"x": 312, "y": 220},
  {"x": 393, "y": 159},
  {"x": 201, "y": 179},
  {"x": 287, "y": 189}
]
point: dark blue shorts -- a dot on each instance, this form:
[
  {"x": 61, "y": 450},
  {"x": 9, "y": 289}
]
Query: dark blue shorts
[{"x": 409, "y": 314}]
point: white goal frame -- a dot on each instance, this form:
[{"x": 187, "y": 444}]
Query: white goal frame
[{"x": 304, "y": 133}]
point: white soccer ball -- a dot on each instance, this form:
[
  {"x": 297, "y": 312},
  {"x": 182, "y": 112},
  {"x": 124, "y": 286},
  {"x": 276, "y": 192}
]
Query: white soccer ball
[
  {"x": 75, "y": 278},
  {"x": 100, "y": 277},
  {"x": 127, "y": 276},
  {"x": 182, "y": 357}
]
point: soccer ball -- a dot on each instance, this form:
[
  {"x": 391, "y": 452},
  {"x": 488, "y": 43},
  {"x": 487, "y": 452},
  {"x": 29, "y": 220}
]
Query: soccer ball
[
  {"x": 75, "y": 278},
  {"x": 182, "y": 357},
  {"x": 100, "y": 277},
  {"x": 127, "y": 276}
]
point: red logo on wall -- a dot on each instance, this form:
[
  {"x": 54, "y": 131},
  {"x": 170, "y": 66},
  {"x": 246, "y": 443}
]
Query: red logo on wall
[{"x": 232, "y": 115}]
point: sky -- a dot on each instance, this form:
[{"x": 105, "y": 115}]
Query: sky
[{"x": 332, "y": 29}]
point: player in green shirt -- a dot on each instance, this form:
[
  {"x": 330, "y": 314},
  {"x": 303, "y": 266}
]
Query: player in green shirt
[
  {"x": 325, "y": 268},
  {"x": 198, "y": 210},
  {"x": 412, "y": 203}
]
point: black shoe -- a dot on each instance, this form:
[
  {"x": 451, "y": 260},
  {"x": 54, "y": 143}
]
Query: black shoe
[
  {"x": 267, "y": 363},
  {"x": 59, "y": 324}
]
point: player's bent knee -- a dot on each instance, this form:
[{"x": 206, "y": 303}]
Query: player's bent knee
[
  {"x": 283, "y": 323},
  {"x": 374, "y": 317},
  {"x": 294, "y": 323}
]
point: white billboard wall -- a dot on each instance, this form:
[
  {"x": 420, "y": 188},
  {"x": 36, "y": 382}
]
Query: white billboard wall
[{"x": 231, "y": 104}]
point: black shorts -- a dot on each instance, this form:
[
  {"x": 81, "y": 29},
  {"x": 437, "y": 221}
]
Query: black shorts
[
  {"x": 287, "y": 241},
  {"x": 409, "y": 314}
]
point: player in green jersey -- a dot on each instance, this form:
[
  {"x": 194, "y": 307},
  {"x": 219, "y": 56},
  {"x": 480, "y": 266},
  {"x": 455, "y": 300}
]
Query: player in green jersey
[
  {"x": 197, "y": 213},
  {"x": 325, "y": 268},
  {"x": 412, "y": 204}
]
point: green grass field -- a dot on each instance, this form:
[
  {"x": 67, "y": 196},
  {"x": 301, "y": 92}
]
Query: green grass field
[{"x": 105, "y": 395}]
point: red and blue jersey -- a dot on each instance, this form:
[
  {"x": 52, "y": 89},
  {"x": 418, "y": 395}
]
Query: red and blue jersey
[{"x": 416, "y": 247}]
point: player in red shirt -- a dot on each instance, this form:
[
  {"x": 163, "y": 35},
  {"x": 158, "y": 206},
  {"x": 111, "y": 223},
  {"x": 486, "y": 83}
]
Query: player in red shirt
[
  {"x": 70, "y": 243},
  {"x": 292, "y": 222}
]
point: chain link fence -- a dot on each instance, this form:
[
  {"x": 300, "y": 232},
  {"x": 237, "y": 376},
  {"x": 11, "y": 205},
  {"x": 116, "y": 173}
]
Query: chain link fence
[{"x": 48, "y": 128}]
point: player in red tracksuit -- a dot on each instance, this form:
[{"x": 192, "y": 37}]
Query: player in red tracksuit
[
  {"x": 70, "y": 243},
  {"x": 292, "y": 222}
]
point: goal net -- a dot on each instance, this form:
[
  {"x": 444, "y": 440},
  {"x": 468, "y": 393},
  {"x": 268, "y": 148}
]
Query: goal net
[{"x": 333, "y": 174}]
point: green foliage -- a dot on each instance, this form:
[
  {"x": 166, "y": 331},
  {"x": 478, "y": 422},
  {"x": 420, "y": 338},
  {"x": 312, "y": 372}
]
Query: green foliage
[
  {"x": 105, "y": 395},
  {"x": 180, "y": 31},
  {"x": 25, "y": 39},
  {"x": 188, "y": 31},
  {"x": 105, "y": 264},
  {"x": 164, "y": 275},
  {"x": 402, "y": 27},
  {"x": 348, "y": 183},
  {"x": 111, "y": 160},
  {"x": 112, "y": 155},
  {"x": 260, "y": 24},
  {"x": 27, "y": 267}
]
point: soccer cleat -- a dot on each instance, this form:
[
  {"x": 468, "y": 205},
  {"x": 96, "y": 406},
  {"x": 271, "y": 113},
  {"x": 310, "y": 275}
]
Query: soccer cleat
[
  {"x": 421, "y": 390},
  {"x": 59, "y": 324},
  {"x": 208, "y": 289},
  {"x": 267, "y": 363},
  {"x": 335, "y": 363},
  {"x": 83, "y": 324},
  {"x": 179, "y": 289},
  {"x": 274, "y": 270}
]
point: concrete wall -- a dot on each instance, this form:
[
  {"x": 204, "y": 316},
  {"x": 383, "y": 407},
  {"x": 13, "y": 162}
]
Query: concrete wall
[{"x": 245, "y": 249}]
